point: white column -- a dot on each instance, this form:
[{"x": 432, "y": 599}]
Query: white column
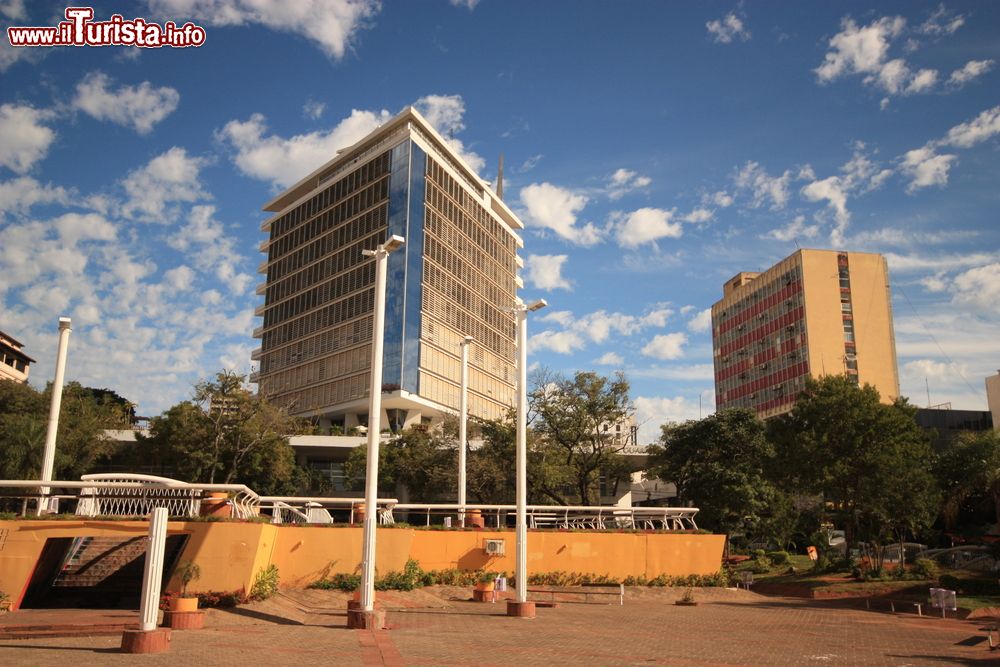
[
  {"x": 152, "y": 575},
  {"x": 381, "y": 255},
  {"x": 463, "y": 439},
  {"x": 49, "y": 456},
  {"x": 521, "y": 561}
]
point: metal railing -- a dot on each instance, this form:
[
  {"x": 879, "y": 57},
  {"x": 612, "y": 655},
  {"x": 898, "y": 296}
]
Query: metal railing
[
  {"x": 135, "y": 495},
  {"x": 129, "y": 494}
]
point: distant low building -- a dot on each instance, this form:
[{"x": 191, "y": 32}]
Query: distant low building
[
  {"x": 993, "y": 398},
  {"x": 14, "y": 363},
  {"x": 948, "y": 423}
]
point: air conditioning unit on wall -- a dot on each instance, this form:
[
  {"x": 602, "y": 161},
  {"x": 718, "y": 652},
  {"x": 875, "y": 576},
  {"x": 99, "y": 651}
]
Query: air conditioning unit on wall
[{"x": 494, "y": 548}]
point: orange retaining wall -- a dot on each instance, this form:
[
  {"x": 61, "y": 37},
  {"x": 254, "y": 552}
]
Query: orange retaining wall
[{"x": 230, "y": 554}]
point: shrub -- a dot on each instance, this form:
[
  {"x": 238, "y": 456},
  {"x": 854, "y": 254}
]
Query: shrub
[
  {"x": 266, "y": 583},
  {"x": 926, "y": 568},
  {"x": 210, "y": 599},
  {"x": 779, "y": 558}
]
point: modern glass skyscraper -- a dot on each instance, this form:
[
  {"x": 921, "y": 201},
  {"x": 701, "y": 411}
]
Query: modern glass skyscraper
[{"x": 456, "y": 276}]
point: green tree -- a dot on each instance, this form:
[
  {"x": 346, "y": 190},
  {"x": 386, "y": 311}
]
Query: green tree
[
  {"x": 424, "y": 462},
  {"x": 719, "y": 463},
  {"x": 492, "y": 467},
  {"x": 578, "y": 417},
  {"x": 81, "y": 442},
  {"x": 226, "y": 434},
  {"x": 968, "y": 470},
  {"x": 870, "y": 461}
]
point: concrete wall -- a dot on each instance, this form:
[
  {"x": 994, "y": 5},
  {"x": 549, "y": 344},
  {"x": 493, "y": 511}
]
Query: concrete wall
[{"x": 231, "y": 554}]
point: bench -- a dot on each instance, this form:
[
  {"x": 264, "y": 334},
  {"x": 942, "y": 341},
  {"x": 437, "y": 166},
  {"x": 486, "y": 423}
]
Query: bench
[
  {"x": 618, "y": 591},
  {"x": 893, "y": 603}
]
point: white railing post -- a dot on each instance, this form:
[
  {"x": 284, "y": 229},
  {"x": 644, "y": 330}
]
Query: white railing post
[{"x": 152, "y": 576}]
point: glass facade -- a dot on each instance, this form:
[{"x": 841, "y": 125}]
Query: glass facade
[{"x": 455, "y": 276}]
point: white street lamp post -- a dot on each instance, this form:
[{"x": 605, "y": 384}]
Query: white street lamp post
[
  {"x": 463, "y": 419},
  {"x": 49, "y": 457},
  {"x": 521, "y": 562},
  {"x": 381, "y": 255}
]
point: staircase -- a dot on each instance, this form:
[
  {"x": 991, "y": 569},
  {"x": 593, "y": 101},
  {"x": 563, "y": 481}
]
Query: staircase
[
  {"x": 92, "y": 560},
  {"x": 100, "y": 572}
]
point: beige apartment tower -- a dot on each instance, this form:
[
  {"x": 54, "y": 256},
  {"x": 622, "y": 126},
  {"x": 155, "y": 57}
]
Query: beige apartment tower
[
  {"x": 815, "y": 313},
  {"x": 455, "y": 276}
]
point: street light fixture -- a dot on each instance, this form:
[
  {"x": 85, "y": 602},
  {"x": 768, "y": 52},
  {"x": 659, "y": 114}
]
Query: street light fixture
[
  {"x": 463, "y": 419},
  {"x": 381, "y": 254},
  {"x": 520, "y": 605}
]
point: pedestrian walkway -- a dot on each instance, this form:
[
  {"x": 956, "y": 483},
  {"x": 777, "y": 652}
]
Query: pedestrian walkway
[{"x": 725, "y": 628}]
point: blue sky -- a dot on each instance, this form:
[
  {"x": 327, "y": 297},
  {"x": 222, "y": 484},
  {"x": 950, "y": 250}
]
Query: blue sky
[{"x": 653, "y": 149}]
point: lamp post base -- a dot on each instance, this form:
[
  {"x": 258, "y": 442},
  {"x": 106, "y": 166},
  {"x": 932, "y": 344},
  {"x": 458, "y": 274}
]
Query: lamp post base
[
  {"x": 521, "y": 609},
  {"x": 359, "y": 619},
  {"x": 149, "y": 641}
]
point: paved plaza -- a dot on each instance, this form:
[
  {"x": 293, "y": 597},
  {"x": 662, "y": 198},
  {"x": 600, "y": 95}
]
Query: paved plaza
[{"x": 438, "y": 628}]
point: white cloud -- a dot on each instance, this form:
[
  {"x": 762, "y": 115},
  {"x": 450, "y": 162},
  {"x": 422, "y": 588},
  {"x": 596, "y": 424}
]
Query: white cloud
[
  {"x": 610, "y": 359},
  {"x": 169, "y": 178},
  {"x": 76, "y": 227},
  {"x": 530, "y": 163},
  {"x": 286, "y": 161},
  {"x": 139, "y": 107},
  {"x": 938, "y": 262},
  {"x": 966, "y": 135},
  {"x": 941, "y": 22},
  {"x": 763, "y": 186},
  {"x": 313, "y": 109},
  {"x": 972, "y": 70},
  {"x": 832, "y": 190},
  {"x": 205, "y": 240},
  {"x": 180, "y": 278},
  {"x": 332, "y": 24},
  {"x": 545, "y": 272},
  {"x": 698, "y": 215},
  {"x": 865, "y": 51},
  {"x": 556, "y": 209},
  {"x": 20, "y": 194},
  {"x": 24, "y": 140},
  {"x": 468, "y": 4},
  {"x": 445, "y": 113},
  {"x": 653, "y": 411},
  {"x": 702, "y": 321},
  {"x": 728, "y": 28},
  {"x": 722, "y": 199},
  {"x": 920, "y": 369},
  {"x": 623, "y": 181},
  {"x": 13, "y": 9},
  {"x": 666, "y": 346},
  {"x": 598, "y": 327},
  {"x": 979, "y": 287},
  {"x": 560, "y": 342},
  {"x": 797, "y": 228},
  {"x": 926, "y": 168},
  {"x": 646, "y": 225}
]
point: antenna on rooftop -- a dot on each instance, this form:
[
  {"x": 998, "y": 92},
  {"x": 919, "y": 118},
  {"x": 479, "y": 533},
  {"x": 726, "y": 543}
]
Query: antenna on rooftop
[{"x": 500, "y": 179}]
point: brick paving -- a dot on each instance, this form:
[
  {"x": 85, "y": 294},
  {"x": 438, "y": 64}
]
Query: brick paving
[{"x": 726, "y": 628}]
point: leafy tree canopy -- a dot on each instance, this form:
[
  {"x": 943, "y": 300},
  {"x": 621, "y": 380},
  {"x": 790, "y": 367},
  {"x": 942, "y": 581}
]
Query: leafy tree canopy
[
  {"x": 870, "y": 461},
  {"x": 226, "y": 434},
  {"x": 81, "y": 443},
  {"x": 719, "y": 463},
  {"x": 577, "y": 417}
]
